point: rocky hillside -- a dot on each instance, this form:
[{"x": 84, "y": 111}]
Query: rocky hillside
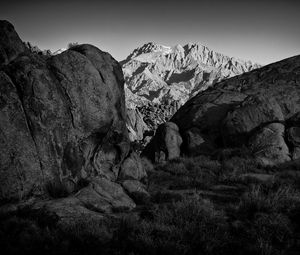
[
  {"x": 63, "y": 129},
  {"x": 169, "y": 76},
  {"x": 259, "y": 110}
]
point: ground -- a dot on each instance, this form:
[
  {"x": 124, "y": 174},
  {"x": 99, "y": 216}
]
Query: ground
[{"x": 226, "y": 204}]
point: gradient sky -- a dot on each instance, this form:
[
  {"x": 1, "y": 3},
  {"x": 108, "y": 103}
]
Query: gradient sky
[{"x": 260, "y": 30}]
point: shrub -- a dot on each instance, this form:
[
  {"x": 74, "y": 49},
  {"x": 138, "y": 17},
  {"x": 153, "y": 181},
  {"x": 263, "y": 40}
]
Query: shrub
[
  {"x": 198, "y": 172},
  {"x": 72, "y": 44},
  {"x": 264, "y": 199},
  {"x": 186, "y": 227}
]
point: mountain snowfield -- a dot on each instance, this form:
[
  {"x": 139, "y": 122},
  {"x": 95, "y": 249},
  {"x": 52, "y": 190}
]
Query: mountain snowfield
[{"x": 154, "y": 73}]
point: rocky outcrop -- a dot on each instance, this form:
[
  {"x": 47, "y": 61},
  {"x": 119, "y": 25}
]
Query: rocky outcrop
[
  {"x": 259, "y": 109},
  {"x": 135, "y": 124},
  {"x": 268, "y": 145},
  {"x": 132, "y": 168},
  {"x": 159, "y": 78},
  {"x": 104, "y": 196},
  {"x": 62, "y": 120},
  {"x": 10, "y": 43},
  {"x": 165, "y": 145},
  {"x": 137, "y": 191}
]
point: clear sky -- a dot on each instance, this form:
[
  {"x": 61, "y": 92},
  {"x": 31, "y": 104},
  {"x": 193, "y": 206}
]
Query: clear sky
[{"x": 264, "y": 31}]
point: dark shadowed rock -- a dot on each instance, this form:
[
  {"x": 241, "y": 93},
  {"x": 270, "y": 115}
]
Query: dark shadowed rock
[
  {"x": 268, "y": 145},
  {"x": 132, "y": 168},
  {"x": 137, "y": 191},
  {"x": 294, "y": 139},
  {"x": 10, "y": 43},
  {"x": 20, "y": 171},
  {"x": 165, "y": 145},
  {"x": 249, "y": 115},
  {"x": 104, "y": 196},
  {"x": 195, "y": 143},
  {"x": 63, "y": 117},
  {"x": 241, "y": 108}
]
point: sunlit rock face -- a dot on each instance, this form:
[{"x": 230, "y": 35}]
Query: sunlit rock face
[{"x": 159, "y": 79}]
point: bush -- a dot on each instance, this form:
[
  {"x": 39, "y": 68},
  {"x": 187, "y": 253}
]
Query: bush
[
  {"x": 264, "y": 199},
  {"x": 198, "y": 172},
  {"x": 186, "y": 227}
]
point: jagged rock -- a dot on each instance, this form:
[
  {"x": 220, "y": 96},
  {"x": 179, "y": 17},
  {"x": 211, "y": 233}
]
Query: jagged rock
[
  {"x": 165, "y": 145},
  {"x": 132, "y": 168},
  {"x": 268, "y": 145},
  {"x": 155, "y": 72},
  {"x": 241, "y": 108},
  {"x": 62, "y": 117},
  {"x": 159, "y": 78},
  {"x": 137, "y": 191},
  {"x": 104, "y": 196},
  {"x": 135, "y": 125},
  {"x": 10, "y": 43},
  {"x": 36, "y": 49}
]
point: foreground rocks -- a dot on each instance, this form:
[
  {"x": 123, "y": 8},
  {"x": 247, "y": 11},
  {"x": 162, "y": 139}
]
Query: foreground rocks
[
  {"x": 258, "y": 110},
  {"x": 63, "y": 124},
  {"x": 165, "y": 145}
]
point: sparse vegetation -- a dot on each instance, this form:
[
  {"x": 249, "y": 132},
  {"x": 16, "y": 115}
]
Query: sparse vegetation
[{"x": 185, "y": 216}]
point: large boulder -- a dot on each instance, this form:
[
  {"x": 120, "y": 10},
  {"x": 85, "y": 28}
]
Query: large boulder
[
  {"x": 237, "y": 111},
  {"x": 268, "y": 145},
  {"x": 132, "y": 168},
  {"x": 104, "y": 196},
  {"x": 165, "y": 145},
  {"x": 19, "y": 163},
  {"x": 62, "y": 117},
  {"x": 10, "y": 43},
  {"x": 253, "y": 112},
  {"x": 137, "y": 191}
]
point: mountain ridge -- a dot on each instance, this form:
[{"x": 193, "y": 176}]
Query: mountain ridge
[{"x": 158, "y": 76}]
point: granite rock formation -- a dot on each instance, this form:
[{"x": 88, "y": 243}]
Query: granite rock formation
[
  {"x": 259, "y": 110},
  {"x": 159, "y": 79},
  {"x": 62, "y": 122}
]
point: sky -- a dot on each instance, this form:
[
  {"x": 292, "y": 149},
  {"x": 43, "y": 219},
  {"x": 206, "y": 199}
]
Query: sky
[{"x": 263, "y": 31}]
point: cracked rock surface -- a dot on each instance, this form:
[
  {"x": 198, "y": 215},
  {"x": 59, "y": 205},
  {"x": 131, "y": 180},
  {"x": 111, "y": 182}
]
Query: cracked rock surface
[{"x": 62, "y": 119}]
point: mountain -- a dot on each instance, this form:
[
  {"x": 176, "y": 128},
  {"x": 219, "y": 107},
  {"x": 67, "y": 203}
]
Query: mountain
[
  {"x": 258, "y": 110},
  {"x": 157, "y": 75},
  {"x": 156, "y": 72}
]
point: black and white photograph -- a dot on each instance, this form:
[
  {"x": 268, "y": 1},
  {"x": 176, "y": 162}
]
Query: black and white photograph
[{"x": 159, "y": 127}]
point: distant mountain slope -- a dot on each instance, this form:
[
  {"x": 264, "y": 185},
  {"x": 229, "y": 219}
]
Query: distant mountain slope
[
  {"x": 157, "y": 75},
  {"x": 155, "y": 72}
]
